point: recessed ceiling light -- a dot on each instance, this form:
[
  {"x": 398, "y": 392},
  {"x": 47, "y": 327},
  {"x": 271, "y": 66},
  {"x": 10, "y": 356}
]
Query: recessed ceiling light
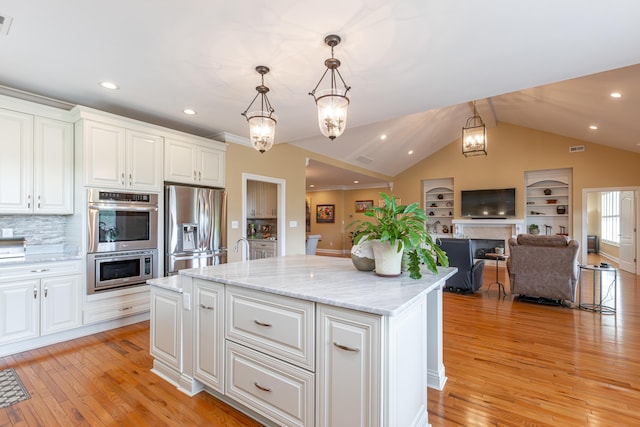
[
  {"x": 593, "y": 127},
  {"x": 410, "y": 152},
  {"x": 189, "y": 111},
  {"x": 616, "y": 95},
  {"x": 383, "y": 136},
  {"x": 109, "y": 85},
  {"x": 311, "y": 185},
  {"x": 356, "y": 181}
]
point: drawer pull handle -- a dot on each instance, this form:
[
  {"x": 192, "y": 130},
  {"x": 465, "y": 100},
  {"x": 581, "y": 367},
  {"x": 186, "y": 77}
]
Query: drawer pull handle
[
  {"x": 345, "y": 348},
  {"x": 263, "y": 388},
  {"x": 206, "y": 307},
  {"x": 266, "y": 325},
  {"x": 126, "y": 308},
  {"x": 40, "y": 270}
]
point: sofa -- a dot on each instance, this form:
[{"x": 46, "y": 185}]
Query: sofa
[{"x": 544, "y": 267}]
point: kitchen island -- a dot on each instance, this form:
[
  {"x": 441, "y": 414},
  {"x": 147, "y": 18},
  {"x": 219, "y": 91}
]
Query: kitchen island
[{"x": 302, "y": 340}]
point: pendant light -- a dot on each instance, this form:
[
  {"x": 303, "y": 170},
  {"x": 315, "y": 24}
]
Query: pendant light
[
  {"x": 262, "y": 123},
  {"x": 474, "y": 136},
  {"x": 332, "y": 102}
]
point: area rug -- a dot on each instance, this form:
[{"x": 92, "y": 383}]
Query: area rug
[{"x": 11, "y": 388}]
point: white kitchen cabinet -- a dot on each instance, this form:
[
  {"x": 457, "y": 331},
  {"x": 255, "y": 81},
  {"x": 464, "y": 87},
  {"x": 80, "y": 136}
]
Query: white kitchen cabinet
[
  {"x": 39, "y": 300},
  {"x": 191, "y": 162},
  {"x": 116, "y": 157},
  {"x": 349, "y": 368},
  {"x": 209, "y": 325},
  {"x": 262, "y": 199},
  {"x": 166, "y": 327},
  {"x": 36, "y": 166},
  {"x": 259, "y": 249}
]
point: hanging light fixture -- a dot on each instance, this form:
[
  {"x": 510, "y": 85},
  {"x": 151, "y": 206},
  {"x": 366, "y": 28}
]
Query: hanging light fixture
[
  {"x": 474, "y": 136},
  {"x": 333, "y": 102},
  {"x": 262, "y": 123}
]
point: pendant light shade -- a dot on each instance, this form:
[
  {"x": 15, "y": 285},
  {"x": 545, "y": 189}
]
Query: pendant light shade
[
  {"x": 262, "y": 122},
  {"x": 332, "y": 103},
  {"x": 474, "y": 136}
]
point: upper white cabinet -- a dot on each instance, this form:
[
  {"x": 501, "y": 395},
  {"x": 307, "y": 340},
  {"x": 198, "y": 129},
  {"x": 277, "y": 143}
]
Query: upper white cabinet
[
  {"x": 116, "y": 157},
  {"x": 36, "y": 166},
  {"x": 262, "y": 199},
  {"x": 195, "y": 162}
]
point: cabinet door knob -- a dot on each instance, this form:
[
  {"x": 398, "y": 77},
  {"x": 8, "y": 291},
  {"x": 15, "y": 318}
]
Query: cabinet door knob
[
  {"x": 130, "y": 180},
  {"x": 35, "y": 293},
  {"x": 29, "y": 201},
  {"x": 122, "y": 178},
  {"x": 345, "y": 348}
]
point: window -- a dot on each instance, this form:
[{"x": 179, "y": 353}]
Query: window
[{"x": 610, "y": 217}]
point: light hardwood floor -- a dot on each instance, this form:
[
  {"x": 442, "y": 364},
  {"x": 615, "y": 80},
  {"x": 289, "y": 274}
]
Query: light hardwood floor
[{"x": 508, "y": 364}]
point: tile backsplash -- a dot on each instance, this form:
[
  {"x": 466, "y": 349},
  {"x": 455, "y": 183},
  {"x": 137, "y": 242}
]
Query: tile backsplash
[{"x": 37, "y": 229}]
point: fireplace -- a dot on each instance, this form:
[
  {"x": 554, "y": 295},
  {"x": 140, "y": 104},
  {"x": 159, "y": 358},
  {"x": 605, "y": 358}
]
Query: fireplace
[{"x": 487, "y": 234}]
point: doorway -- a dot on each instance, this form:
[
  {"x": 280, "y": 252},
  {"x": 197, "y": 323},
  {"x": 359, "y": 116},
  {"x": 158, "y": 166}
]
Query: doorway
[
  {"x": 281, "y": 207},
  {"x": 624, "y": 251}
]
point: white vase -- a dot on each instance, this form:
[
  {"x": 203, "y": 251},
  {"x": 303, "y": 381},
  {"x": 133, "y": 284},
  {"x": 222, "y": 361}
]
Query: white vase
[
  {"x": 388, "y": 258},
  {"x": 362, "y": 256}
]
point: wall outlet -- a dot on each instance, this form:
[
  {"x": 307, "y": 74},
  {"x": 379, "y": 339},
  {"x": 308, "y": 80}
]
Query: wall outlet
[{"x": 7, "y": 232}]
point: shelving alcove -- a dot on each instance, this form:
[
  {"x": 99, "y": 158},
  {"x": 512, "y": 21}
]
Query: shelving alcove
[
  {"x": 439, "y": 205},
  {"x": 548, "y": 200}
]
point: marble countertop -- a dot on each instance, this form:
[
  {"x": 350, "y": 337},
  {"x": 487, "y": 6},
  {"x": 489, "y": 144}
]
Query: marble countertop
[
  {"x": 40, "y": 254},
  {"x": 327, "y": 280}
]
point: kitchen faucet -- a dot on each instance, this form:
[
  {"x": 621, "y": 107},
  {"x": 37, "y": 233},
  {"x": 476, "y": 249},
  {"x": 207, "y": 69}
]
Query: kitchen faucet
[{"x": 235, "y": 248}]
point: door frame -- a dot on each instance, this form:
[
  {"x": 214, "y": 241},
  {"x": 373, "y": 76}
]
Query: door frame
[
  {"x": 636, "y": 196},
  {"x": 281, "y": 184}
]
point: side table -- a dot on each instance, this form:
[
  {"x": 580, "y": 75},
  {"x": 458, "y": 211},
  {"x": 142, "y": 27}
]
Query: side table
[
  {"x": 498, "y": 258},
  {"x": 599, "y": 298}
]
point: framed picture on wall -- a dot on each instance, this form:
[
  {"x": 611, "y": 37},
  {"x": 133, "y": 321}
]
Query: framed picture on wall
[
  {"x": 325, "y": 213},
  {"x": 363, "y": 205}
]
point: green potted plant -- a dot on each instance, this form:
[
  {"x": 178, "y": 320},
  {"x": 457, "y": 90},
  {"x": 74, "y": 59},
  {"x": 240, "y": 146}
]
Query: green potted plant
[
  {"x": 399, "y": 229},
  {"x": 534, "y": 229}
]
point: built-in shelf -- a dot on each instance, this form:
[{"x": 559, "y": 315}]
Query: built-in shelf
[
  {"x": 548, "y": 200},
  {"x": 439, "y": 204}
]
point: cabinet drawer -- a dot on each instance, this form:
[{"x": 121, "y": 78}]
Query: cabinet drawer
[
  {"x": 116, "y": 308},
  {"x": 277, "y": 390},
  {"x": 38, "y": 270},
  {"x": 280, "y": 326}
]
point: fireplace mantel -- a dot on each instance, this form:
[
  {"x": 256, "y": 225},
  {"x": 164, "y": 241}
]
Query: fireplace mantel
[{"x": 498, "y": 229}]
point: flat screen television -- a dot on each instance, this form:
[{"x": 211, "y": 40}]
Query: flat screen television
[{"x": 488, "y": 204}]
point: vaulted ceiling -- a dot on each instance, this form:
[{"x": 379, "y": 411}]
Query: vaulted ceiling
[{"x": 414, "y": 66}]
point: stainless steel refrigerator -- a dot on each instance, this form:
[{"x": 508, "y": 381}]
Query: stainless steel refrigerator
[{"x": 195, "y": 227}]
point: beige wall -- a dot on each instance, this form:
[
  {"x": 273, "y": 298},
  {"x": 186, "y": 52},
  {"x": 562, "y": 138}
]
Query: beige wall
[
  {"x": 284, "y": 162},
  {"x": 512, "y": 151}
]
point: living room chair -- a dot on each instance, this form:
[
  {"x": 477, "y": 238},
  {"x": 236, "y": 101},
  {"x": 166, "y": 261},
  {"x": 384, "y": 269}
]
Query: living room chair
[
  {"x": 469, "y": 277},
  {"x": 543, "y": 268}
]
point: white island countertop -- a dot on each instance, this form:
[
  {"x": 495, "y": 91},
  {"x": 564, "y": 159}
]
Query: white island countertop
[{"x": 328, "y": 280}]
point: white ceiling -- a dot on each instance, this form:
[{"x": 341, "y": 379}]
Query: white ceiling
[{"x": 413, "y": 65}]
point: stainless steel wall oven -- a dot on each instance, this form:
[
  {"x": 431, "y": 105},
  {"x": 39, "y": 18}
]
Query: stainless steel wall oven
[{"x": 122, "y": 239}]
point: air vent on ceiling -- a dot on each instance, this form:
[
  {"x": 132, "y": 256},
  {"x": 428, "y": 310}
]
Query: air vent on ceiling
[
  {"x": 576, "y": 148},
  {"x": 5, "y": 23},
  {"x": 364, "y": 159}
]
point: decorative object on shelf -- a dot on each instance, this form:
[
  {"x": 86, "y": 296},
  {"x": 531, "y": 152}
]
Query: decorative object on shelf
[
  {"x": 561, "y": 210},
  {"x": 552, "y": 201},
  {"x": 325, "y": 213},
  {"x": 440, "y": 197},
  {"x": 262, "y": 123},
  {"x": 563, "y": 230},
  {"x": 332, "y": 103},
  {"x": 499, "y": 250},
  {"x": 547, "y": 229},
  {"x": 534, "y": 229},
  {"x": 433, "y": 205},
  {"x": 474, "y": 136},
  {"x": 402, "y": 228},
  {"x": 362, "y": 256},
  {"x": 449, "y": 204},
  {"x": 537, "y": 213},
  {"x": 363, "y": 205},
  {"x": 445, "y": 229},
  {"x": 431, "y": 213},
  {"x": 547, "y": 191}
]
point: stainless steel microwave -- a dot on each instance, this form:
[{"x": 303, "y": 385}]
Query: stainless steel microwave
[{"x": 108, "y": 271}]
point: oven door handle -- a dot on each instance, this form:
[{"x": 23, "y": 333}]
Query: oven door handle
[{"x": 123, "y": 208}]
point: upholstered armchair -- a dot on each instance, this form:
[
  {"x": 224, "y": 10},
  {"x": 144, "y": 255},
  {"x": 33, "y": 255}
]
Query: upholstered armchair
[
  {"x": 543, "y": 267},
  {"x": 468, "y": 279}
]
